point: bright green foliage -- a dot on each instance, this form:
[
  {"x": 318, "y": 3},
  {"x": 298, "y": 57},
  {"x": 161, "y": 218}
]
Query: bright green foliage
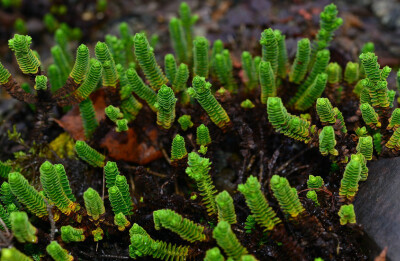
[
  {"x": 315, "y": 182},
  {"x": 226, "y": 209},
  {"x": 50, "y": 22},
  {"x": 110, "y": 172},
  {"x": 378, "y": 142},
  {"x": 93, "y": 203},
  {"x": 61, "y": 61},
  {"x": 318, "y": 259},
  {"x": 91, "y": 80},
  {"x": 170, "y": 67},
  {"x": 13, "y": 254},
  {"x": 391, "y": 95},
  {"x": 259, "y": 207},
  {"x": 203, "y": 135},
  {"x": 188, "y": 20},
  {"x": 147, "y": 62},
  {"x": 394, "y": 121},
  {"x": 394, "y": 141},
  {"x": 257, "y": 61},
  {"x": 359, "y": 88},
  {"x": 178, "y": 40},
  {"x": 334, "y": 72},
  {"x": 88, "y": 116},
  {"x": 364, "y": 95},
  {"x": 98, "y": 234},
  {"x": 122, "y": 125},
  {"x": 116, "y": 48},
  {"x": 4, "y": 74},
  {"x": 71, "y": 234},
  {"x": 88, "y": 154},
  {"x": 270, "y": 51},
  {"x": 26, "y": 59},
  {"x": 122, "y": 185},
  {"x": 7, "y": 197},
  {"x": 282, "y": 54},
  {"x": 347, "y": 214},
  {"x": 214, "y": 254},
  {"x": 321, "y": 62},
  {"x": 117, "y": 201},
  {"x": 182, "y": 75},
  {"x": 249, "y": 71},
  {"x": 40, "y": 83},
  {"x": 247, "y": 104},
  {"x": 130, "y": 106},
  {"x": 224, "y": 70},
  {"x": 248, "y": 258},
  {"x": 361, "y": 132},
  {"x": 20, "y": 26},
  {"x": 81, "y": 64},
  {"x": 311, "y": 194},
  {"x": 113, "y": 113},
  {"x": 53, "y": 189},
  {"x": 121, "y": 221},
  {"x": 369, "y": 115},
  {"x": 329, "y": 23},
  {"x": 375, "y": 83},
  {"x": 22, "y": 229},
  {"x": 351, "y": 176},
  {"x": 54, "y": 77},
  {"x": 364, "y": 168},
  {"x": 4, "y": 215},
  {"x": 198, "y": 169},
  {"x": 267, "y": 81},
  {"x": 61, "y": 39},
  {"x": 137, "y": 230},
  {"x": 287, "y": 196},
  {"x": 325, "y": 111},
  {"x": 110, "y": 75},
  {"x": 365, "y": 147},
  {"x": 5, "y": 168},
  {"x": 62, "y": 175},
  {"x": 142, "y": 245},
  {"x": 228, "y": 241},
  {"x": 202, "y": 92},
  {"x": 327, "y": 141},
  {"x": 127, "y": 42},
  {"x": 283, "y": 122},
  {"x": 250, "y": 224},
  {"x": 141, "y": 89},
  {"x": 185, "y": 122},
  {"x": 203, "y": 150},
  {"x": 339, "y": 117},
  {"x": 185, "y": 228},
  {"x": 312, "y": 92},
  {"x": 217, "y": 48},
  {"x": 57, "y": 252},
  {"x": 165, "y": 106},
  {"x": 351, "y": 73},
  {"x": 27, "y": 195},
  {"x": 300, "y": 64},
  {"x": 200, "y": 56}
]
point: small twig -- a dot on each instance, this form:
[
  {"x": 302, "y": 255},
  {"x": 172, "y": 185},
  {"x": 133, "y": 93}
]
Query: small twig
[
  {"x": 5, "y": 227},
  {"x": 161, "y": 175},
  {"x": 284, "y": 165},
  {"x": 164, "y": 152},
  {"x": 296, "y": 169},
  {"x": 51, "y": 219},
  {"x": 261, "y": 173},
  {"x": 104, "y": 181}
]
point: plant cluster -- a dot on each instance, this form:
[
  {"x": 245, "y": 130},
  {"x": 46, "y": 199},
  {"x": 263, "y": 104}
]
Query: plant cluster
[{"x": 267, "y": 202}]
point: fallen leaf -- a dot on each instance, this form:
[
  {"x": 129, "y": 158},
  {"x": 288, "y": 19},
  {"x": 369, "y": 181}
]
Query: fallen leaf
[
  {"x": 125, "y": 146},
  {"x": 382, "y": 255},
  {"x": 72, "y": 121}
]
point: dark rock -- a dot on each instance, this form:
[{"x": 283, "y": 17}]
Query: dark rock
[{"x": 377, "y": 206}]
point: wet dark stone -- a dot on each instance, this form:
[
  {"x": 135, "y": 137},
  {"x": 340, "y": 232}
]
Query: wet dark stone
[{"x": 377, "y": 206}]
